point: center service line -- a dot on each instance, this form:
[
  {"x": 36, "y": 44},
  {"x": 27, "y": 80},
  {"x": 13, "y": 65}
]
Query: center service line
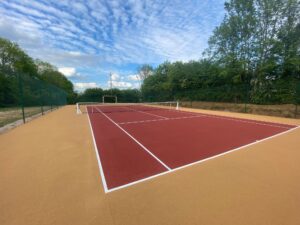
[{"x": 147, "y": 150}]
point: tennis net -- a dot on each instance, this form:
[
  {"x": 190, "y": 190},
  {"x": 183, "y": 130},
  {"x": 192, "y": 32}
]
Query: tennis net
[{"x": 97, "y": 107}]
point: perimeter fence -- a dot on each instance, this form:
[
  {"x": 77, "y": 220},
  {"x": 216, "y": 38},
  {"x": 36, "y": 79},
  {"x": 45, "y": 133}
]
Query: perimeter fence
[
  {"x": 23, "y": 96},
  {"x": 276, "y": 100}
]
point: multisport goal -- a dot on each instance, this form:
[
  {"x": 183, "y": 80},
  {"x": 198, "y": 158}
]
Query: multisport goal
[{"x": 98, "y": 107}]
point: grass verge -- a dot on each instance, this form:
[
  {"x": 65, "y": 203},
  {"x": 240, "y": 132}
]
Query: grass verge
[{"x": 284, "y": 110}]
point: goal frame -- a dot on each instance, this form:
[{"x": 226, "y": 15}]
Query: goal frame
[{"x": 109, "y": 96}]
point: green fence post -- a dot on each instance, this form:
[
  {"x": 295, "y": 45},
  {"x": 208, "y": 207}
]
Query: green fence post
[
  {"x": 42, "y": 103},
  {"x": 297, "y": 98},
  {"x": 246, "y": 97},
  {"x": 51, "y": 100},
  {"x": 21, "y": 96}
]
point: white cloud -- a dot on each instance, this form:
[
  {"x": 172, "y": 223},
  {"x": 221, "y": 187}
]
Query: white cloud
[
  {"x": 119, "y": 81},
  {"x": 74, "y": 53},
  {"x": 68, "y": 71},
  {"x": 155, "y": 30},
  {"x": 71, "y": 73},
  {"x": 134, "y": 77},
  {"x": 81, "y": 86},
  {"x": 23, "y": 32},
  {"x": 98, "y": 34},
  {"x": 115, "y": 76},
  {"x": 121, "y": 84}
]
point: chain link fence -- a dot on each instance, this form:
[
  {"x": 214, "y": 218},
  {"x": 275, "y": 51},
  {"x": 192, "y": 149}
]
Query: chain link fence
[
  {"x": 275, "y": 99},
  {"x": 23, "y": 96},
  {"x": 283, "y": 101}
]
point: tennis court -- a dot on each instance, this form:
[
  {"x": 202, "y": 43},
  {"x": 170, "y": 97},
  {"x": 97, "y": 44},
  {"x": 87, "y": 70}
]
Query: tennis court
[
  {"x": 50, "y": 174},
  {"x": 137, "y": 142}
]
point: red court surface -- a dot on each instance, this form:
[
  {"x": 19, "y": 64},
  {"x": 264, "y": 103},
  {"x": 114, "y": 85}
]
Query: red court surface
[{"x": 133, "y": 145}]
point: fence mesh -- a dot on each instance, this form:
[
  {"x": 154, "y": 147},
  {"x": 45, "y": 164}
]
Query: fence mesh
[
  {"x": 276, "y": 99},
  {"x": 23, "y": 96}
]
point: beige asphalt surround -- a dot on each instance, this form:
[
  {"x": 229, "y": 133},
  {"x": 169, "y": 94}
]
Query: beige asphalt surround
[{"x": 49, "y": 175}]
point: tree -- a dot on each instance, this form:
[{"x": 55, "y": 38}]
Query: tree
[
  {"x": 288, "y": 42},
  {"x": 144, "y": 71},
  {"x": 91, "y": 95},
  {"x": 95, "y": 95},
  {"x": 50, "y": 74},
  {"x": 13, "y": 63},
  {"x": 17, "y": 69},
  {"x": 13, "y": 58},
  {"x": 258, "y": 44},
  {"x": 129, "y": 95},
  {"x": 155, "y": 88}
]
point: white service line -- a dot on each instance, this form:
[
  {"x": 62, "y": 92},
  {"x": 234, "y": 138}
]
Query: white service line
[
  {"x": 146, "y": 121},
  {"x": 147, "y": 113},
  {"x": 147, "y": 150},
  {"x": 200, "y": 161}
]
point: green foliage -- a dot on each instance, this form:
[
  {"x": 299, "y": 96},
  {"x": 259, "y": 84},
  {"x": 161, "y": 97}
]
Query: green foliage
[
  {"x": 8, "y": 90},
  {"x": 195, "y": 80},
  {"x": 95, "y": 95},
  {"x": 51, "y": 75},
  {"x": 129, "y": 95},
  {"x": 17, "y": 67},
  {"x": 155, "y": 87},
  {"x": 297, "y": 94},
  {"x": 145, "y": 71},
  {"x": 253, "y": 56},
  {"x": 91, "y": 95},
  {"x": 13, "y": 58}
]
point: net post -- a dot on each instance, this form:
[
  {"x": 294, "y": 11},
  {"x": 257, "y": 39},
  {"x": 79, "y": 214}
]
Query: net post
[
  {"x": 78, "y": 109},
  {"x": 177, "y": 105}
]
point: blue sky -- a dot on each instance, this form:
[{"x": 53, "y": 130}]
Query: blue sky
[{"x": 86, "y": 40}]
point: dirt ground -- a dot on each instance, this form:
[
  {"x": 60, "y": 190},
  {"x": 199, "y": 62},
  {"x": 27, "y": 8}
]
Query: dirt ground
[{"x": 49, "y": 175}]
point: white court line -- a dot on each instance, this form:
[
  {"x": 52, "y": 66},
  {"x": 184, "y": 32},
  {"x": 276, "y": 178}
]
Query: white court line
[
  {"x": 106, "y": 190},
  {"x": 98, "y": 158},
  {"x": 263, "y": 123},
  {"x": 200, "y": 161},
  {"x": 146, "y": 113},
  {"x": 247, "y": 121},
  {"x": 147, "y": 150},
  {"x": 146, "y": 121}
]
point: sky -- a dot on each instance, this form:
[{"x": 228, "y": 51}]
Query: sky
[{"x": 89, "y": 39}]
